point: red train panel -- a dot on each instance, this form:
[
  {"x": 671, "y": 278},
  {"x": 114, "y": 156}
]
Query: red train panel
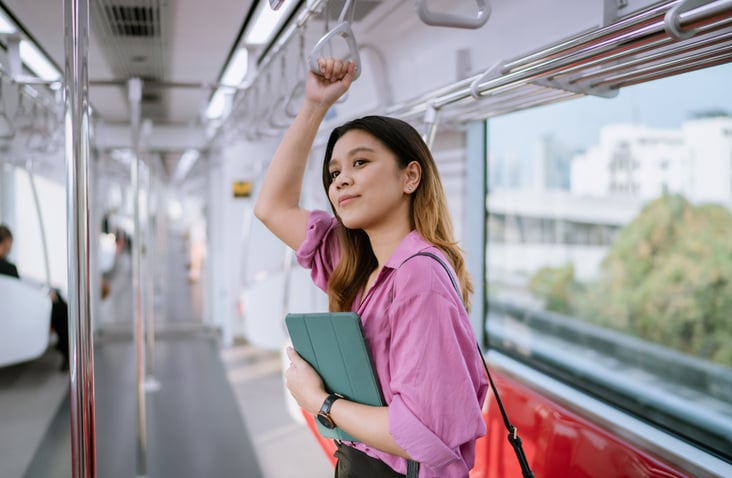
[{"x": 558, "y": 443}]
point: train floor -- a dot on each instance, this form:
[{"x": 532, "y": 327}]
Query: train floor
[{"x": 219, "y": 412}]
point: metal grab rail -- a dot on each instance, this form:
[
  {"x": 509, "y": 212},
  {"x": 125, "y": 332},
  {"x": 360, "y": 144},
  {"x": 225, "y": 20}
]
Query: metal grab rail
[
  {"x": 343, "y": 29},
  {"x": 41, "y": 226},
  {"x": 439, "y": 19},
  {"x": 569, "y": 54},
  {"x": 672, "y": 19}
]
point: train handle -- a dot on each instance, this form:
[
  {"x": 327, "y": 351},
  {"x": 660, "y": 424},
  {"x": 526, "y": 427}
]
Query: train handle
[
  {"x": 439, "y": 19},
  {"x": 344, "y": 30}
]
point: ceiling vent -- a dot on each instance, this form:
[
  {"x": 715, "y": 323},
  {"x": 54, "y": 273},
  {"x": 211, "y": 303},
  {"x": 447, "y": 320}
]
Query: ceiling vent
[
  {"x": 133, "y": 35},
  {"x": 136, "y": 21}
]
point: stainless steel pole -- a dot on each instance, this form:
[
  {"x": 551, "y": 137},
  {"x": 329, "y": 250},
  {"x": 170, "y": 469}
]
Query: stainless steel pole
[
  {"x": 41, "y": 225},
  {"x": 81, "y": 351},
  {"x": 151, "y": 258},
  {"x": 135, "y": 96}
]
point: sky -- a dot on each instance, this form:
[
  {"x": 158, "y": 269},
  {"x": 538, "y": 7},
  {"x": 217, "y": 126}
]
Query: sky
[{"x": 663, "y": 103}]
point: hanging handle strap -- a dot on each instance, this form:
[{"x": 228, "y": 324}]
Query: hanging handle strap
[
  {"x": 439, "y": 19},
  {"x": 343, "y": 29},
  {"x": 513, "y": 437}
]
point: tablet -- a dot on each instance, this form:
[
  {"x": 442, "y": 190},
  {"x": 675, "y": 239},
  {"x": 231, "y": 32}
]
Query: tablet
[{"x": 333, "y": 343}]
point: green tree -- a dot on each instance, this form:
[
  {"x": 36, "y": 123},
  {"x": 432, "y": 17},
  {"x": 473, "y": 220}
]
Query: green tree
[
  {"x": 556, "y": 285},
  {"x": 667, "y": 278}
]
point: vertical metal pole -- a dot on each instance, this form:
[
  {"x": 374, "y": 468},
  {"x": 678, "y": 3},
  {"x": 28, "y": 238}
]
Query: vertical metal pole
[
  {"x": 3, "y": 200},
  {"x": 135, "y": 95},
  {"x": 76, "y": 119},
  {"x": 431, "y": 120},
  {"x": 475, "y": 228},
  {"x": 41, "y": 225},
  {"x": 151, "y": 383}
]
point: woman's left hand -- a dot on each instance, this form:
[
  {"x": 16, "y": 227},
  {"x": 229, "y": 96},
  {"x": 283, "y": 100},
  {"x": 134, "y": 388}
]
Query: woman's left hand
[{"x": 304, "y": 383}]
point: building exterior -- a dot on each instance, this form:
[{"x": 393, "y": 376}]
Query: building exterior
[{"x": 643, "y": 162}]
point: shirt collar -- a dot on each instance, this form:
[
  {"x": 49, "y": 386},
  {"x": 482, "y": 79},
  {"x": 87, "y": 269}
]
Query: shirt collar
[{"x": 410, "y": 245}]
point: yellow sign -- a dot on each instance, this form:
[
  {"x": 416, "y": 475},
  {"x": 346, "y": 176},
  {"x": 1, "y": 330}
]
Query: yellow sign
[{"x": 242, "y": 189}]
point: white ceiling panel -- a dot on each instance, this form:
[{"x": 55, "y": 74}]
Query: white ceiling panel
[{"x": 169, "y": 41}]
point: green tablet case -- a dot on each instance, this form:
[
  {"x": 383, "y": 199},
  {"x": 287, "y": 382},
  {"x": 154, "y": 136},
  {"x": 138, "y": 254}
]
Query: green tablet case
[{"x": 333, "y": 343}]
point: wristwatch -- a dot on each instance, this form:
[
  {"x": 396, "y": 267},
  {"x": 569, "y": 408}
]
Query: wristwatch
[{"x": 324, "y": 413}]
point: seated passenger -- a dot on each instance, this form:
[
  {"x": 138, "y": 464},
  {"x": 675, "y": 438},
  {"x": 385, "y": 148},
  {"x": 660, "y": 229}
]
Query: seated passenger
[{"x": 59, "y": 309}]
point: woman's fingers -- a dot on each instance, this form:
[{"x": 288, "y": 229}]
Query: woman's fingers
[
  {"x": 331, "y": 81},
  {"x": 292, "y": 355},
  {"x": 303, "y": 382},
  {"x": 333, "y": 69}
]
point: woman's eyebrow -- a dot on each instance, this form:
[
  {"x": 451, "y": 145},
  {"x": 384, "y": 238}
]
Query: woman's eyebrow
[
  {"x": 353, "y": 152},
  {"x": 360, "y": 149}
]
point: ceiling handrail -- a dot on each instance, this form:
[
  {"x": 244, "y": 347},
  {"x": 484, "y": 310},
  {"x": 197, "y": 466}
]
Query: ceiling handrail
[
  {"x": 595, "y": 44},
  {"x": 440, "y": 19},
  {"x": 672, "y": 19}
]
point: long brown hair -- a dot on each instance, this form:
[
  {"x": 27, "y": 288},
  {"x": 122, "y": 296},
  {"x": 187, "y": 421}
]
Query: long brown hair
[{"x": 429, "y": 213}]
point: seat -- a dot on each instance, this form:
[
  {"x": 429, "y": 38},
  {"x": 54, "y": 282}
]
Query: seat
[{"x": 25, "y": 321}]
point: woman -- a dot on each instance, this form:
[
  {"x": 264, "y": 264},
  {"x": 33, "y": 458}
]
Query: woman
[{"x": 389, "y": 204}]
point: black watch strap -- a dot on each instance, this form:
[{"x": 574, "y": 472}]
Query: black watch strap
[
  {"x": 324, "y": 413},
  {"x": 328, "y": 402}
]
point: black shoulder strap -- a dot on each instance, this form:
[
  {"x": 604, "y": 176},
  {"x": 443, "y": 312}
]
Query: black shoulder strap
[{"x": 513, "y": 437}]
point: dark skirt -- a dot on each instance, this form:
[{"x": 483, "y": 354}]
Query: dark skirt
[{"x": 353, "y": 463}]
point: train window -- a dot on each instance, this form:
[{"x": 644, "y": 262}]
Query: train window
[{"x": 609, "y": 260}]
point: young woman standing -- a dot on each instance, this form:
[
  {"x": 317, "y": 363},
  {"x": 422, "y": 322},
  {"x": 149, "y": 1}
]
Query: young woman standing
[{"x": 389, "y": 205}]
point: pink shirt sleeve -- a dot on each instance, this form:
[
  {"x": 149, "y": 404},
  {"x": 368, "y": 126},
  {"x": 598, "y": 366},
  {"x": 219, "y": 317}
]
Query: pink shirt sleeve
[
  {"x": 433, "y": 346},
  {"x": 320, "y": 250}
]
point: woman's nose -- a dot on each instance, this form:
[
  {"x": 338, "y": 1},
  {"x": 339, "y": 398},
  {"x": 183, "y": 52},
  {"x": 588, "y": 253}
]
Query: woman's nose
[{"x": 342, "y": 180}]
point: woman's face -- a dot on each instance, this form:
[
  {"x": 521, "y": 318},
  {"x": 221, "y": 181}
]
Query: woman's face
[{"x": 368, "y": 189}]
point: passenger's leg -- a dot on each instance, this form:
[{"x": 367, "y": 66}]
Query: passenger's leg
[{"x": 60, "y": 322}]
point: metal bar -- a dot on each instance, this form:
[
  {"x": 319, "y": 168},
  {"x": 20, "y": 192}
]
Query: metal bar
[
  {"x": 3, "y": 189},
  {"x": 539, "y": 95},
  {"x": 674, "y": 67},
  {"x": 704, "y": 14},
  {"x": 644, "y": 27},
  {"x": 41, "y": 225},
  {"x": 151, "y": 383},
  {"x": 289, "y": 34},
  {"x": 602, "y": 61},
  {"x": 135, "y": 97},
  {"x": 662, "y": 55},
  {"x": 150, "y": 285},
  {"x": 431, "y": 118},
  {"x": 594, "y": 35},
  {"x": 152, "y": 84},
  {"x": 81, "y": 351},
  {"x": 283, "y": 41}
]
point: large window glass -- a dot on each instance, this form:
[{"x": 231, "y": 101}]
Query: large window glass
[{"x": 609, "y": 248}]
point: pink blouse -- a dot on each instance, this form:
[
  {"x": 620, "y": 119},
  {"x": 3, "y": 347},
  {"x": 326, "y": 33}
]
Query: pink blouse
[{"x": 423, "y": 348}]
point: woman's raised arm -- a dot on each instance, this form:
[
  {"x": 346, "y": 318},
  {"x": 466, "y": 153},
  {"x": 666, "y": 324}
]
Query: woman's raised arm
[{"x": 279, "y": 197}]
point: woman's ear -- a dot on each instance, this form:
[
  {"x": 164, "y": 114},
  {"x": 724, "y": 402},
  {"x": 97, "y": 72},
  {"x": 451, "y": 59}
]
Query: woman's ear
[{"x": 412, "y": 177}]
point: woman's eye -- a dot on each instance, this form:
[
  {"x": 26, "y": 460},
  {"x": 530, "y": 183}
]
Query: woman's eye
[
  {"x": 334, "y": 174},
  {"x": 359, "y": 162}
]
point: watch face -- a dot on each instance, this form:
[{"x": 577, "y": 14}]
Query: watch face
[{"x": 325, "y": 420}]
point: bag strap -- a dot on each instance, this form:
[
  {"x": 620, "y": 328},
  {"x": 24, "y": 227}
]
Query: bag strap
[{"x": 513, "y": 438}]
